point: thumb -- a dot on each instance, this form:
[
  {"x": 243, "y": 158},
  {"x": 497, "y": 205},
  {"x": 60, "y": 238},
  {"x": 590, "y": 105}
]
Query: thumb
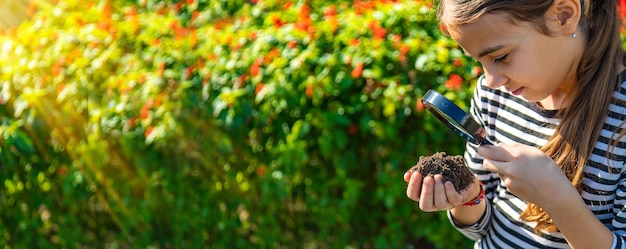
[{"x": 495, "y": 152}]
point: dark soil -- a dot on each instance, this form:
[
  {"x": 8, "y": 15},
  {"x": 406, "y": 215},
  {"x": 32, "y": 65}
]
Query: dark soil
[{"x": 452, "y": 168}]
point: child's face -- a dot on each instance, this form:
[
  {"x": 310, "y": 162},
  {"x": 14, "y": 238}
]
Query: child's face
[{"x": 519, "y": 58}]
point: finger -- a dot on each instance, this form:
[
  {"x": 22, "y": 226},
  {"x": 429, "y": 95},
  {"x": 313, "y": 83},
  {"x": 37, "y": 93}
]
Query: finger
[
  {"x": 496, "y": 153},
  {"x": 407, "y": 175},
  {"x": 453, "y": 196},
  {"x": 439, "y": 191},
  {"x": 415, "y": 186},
  {"x": 426, "y": 196},
  {"x": 490, "y": 166}
]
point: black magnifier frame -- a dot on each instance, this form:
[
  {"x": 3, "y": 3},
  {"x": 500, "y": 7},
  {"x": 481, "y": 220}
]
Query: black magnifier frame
[{"x": 455, "y": 118}]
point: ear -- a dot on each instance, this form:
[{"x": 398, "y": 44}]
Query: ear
[{"x": 567, "y": 14}]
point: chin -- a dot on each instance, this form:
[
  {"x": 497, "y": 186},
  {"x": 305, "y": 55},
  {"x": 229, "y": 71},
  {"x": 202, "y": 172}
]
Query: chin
[
  {"x": 534, "y": 98},
  {"x": 529, "y": 99}
]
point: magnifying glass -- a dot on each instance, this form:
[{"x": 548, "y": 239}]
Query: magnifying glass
[{"x": 455, "y": 118}]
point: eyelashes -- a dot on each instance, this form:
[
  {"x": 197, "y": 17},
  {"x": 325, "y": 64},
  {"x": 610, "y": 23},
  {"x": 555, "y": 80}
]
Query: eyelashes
[{"x": 501, "y": 58}]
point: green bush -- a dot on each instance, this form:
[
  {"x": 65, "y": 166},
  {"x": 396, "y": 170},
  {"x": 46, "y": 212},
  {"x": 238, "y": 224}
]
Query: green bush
[{"x": 227, "y": 124}]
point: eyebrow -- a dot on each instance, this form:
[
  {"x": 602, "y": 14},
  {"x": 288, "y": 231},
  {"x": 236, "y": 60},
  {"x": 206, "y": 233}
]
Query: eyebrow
[{"x": 490, "y": 50}]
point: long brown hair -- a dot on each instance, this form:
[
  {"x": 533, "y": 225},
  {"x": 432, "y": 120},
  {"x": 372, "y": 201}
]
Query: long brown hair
[{"x": 573, "y": 141}]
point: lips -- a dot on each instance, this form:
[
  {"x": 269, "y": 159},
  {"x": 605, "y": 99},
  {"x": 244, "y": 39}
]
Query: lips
[{"x": 517, "y": 91}]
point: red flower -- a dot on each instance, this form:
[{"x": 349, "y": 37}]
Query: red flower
[
  {"x": 144, "y": 113},
  {"x": 443, "y": 28},
  {"x": 331, "y": 11},
  {"x": 255, "y": 69},
  {"x": 304, "y": 12},
  {"x": 309, "y": 90},
  {"x": 419, "y": 106},
  {"x": 354, "y": 42},
  {"x": 362, "y": 7},
  {"x": 200, "y": 63},
  {"x": 278, "y": 22},
  {"x": 132, "y": 12},
  {"x": 377, "y": 31},
  {"x": 148, "y": 131},
  {"x": 477, "y": 71},
  {"x": 457, "y": 62},
  {"x": 259, "y": 88},
  {"x": 161, "y": 68},
  {"x": 240, "y": 81},
  {"x": 304, "y": 25},
  {"x": 60, "y": 88},
  {"x": 189, "y": 71},
  {"x": 454, "y": 82},
  {"x": 178, "y": 6},
  {"x": 404, "y": 49},
  {"x": 353, "y": 129},
  {"x": 261, "y": 171},
  {"x": 131, "y": 122},
  {"x": 292, "y": 44},
  {"x": 271, "y": 55},
  {"x": 358, "y": 70},
  {"x": 179, "y": 31},
  {"x": 57, "y": 67},
  {"x": 158, "y": 100},
  {"x": 195, "y": 15},
  {"x": 397, "y": 38},
  {"x": 62, "y": 170}
]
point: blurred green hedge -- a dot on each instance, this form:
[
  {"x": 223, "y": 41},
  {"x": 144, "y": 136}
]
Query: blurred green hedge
[{"x": 223, "y": 124}]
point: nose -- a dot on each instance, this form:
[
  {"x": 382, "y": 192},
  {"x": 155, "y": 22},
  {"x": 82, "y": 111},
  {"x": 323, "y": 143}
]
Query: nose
[{"x": 494, "y": 78}]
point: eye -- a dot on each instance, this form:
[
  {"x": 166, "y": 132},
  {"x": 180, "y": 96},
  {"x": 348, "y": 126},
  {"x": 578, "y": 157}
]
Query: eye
[{"x": 501, "y": 58}]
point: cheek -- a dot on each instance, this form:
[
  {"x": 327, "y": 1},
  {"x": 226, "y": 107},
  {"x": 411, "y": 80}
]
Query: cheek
[{"x": 528, "y": 69}]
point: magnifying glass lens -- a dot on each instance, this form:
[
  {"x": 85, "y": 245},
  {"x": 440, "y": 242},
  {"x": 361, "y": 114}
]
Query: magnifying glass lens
[
  {"x": 455, "y": 126},
  {"x": 454, "y": 117}
]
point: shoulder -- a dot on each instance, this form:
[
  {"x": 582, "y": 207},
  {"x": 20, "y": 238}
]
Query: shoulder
[
  {"x": 613, "y": 136},
  {"x": 620, "y": 94},
  {"x": 617, "y": 108}
]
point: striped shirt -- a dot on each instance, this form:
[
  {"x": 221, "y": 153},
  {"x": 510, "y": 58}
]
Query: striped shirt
[{"x": 511, "y": 119}]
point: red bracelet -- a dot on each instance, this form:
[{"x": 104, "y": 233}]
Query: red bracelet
[{"x": 478, "y": 198}]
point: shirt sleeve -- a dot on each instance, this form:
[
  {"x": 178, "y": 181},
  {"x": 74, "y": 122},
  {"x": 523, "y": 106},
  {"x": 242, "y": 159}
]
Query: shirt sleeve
[
  {"x": 491, "y": 181},
  {"x": 477, "y": 230},
  {"x": 619, "y": 221},
  {"x": 618, "y": 242}
]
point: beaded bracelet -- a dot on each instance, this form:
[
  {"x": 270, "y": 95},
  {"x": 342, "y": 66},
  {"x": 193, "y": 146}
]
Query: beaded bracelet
[{"x": 478, "y": 198}]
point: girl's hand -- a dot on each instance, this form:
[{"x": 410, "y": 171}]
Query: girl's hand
[
  {"x": 526, "y": 171},
  {"x": 435, "y": 195}
]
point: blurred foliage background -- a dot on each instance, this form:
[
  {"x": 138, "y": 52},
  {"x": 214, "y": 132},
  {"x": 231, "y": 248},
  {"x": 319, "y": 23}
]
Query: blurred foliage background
[{"x": 223, "y": 123}]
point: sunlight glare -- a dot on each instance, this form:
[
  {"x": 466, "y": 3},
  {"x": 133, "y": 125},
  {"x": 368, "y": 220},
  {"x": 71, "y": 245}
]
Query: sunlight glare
[{"x": 13, "y": 12}]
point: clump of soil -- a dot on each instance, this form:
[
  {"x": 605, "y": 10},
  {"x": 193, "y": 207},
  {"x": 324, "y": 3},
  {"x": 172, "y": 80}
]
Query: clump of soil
[{"x": 452, "y": 168}]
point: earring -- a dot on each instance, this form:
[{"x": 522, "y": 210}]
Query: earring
[{"x": 574, "y": 35}]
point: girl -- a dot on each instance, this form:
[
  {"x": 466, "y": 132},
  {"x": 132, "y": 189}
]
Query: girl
[{"x": 553, "y": 98}]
